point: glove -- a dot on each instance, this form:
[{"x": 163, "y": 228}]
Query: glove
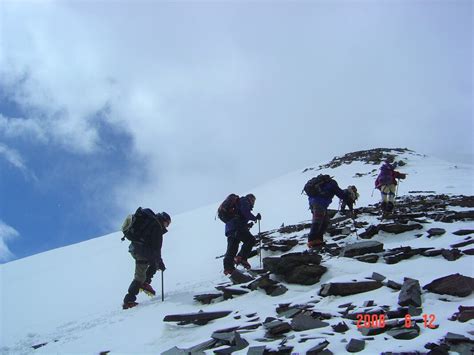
[
  {"x": 250, "y": 225},
  {"x": 160, "y": 265},
  {"x": 258, "y": 216}
]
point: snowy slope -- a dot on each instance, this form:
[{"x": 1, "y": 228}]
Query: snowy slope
[{"x": 71, "y": 297}]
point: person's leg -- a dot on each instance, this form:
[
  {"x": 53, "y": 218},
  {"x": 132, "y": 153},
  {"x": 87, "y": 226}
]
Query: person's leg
[
  {"x": 231, "y": 252},
  {"x": 141, "y": 265},
  {"x": 248, "y": 241},
  {"x": 318, "y": 226}
]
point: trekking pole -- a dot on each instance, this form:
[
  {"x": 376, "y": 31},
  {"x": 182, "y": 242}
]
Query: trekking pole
[
  {"x": 162, "y": 287},
  {"x": 372, "y": 195},
  {"x": 260, "y": 244}
]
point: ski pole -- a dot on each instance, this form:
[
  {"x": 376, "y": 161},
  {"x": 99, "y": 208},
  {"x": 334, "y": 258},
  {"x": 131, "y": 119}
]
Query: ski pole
[
  {"x": 260, "y": 244},
  {"x": 162, "y": 287}
]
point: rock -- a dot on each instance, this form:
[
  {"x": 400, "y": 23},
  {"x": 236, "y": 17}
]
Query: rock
[
  {"x": 432, "y": 232},
  {"x": 256, "y": 350},
  {"x": 239, "y": 277},
  {"x": 430, "y": 253},
  {"x": 230, "y": 292},
  {"x": 468, "y": 251},
  {"x": 348, "y": 288},
  {"x": 399, "y": 228},
  {"x": 355, "y": 346},
  {"x": 464, "y": 314},
  {"x": 404, "y": 333},
  {"x": 362, "y": 248},
  {"x": 276, "y": 328},
  {"x": 462, "y": 244},
  {"x": 452, "y": 254},
  {"x": 410, "y": 294},
  {"x": 340, "y": 327},
  {"x": 377, "y": 277},
  {"x": 317, "y": 350},
  {"x": 464, "y": 232},
  {"x": 305, "y": 322},
  {"x": 454, "y": 285},
  {"x": 305, "y": 274},
  {"x": 371, "y": 331},
  {"x": 233, "y": 339},
  {"x": 193, "y": 317},
  {"x": 393, "y": 285},
  {"x": 207, "y": 297},
  {"x": 456, "y": 338},
  {"x": 369, "y": 232},
  {"x": 371, "y": 259}
]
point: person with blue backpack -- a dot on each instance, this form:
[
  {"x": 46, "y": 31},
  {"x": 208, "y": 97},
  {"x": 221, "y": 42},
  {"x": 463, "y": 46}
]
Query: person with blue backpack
[
  {"x": 386, "y": 182},
  {"x": 321, "y": 190},
  {"x": 236, "y": 212},
  {"x": 145, "y": 230}
]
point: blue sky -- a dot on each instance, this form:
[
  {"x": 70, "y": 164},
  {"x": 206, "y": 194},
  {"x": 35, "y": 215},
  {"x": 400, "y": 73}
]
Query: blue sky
[{"x": 105, "y": 106}]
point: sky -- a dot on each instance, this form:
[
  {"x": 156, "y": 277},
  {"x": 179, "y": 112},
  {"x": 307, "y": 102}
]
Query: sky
[{"x": 110, "y": 105}]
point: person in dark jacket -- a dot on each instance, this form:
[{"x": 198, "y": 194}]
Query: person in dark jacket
[
  {"x": 352, "y": 196},
  {"x": 147, "y": 257},
  {"x": 319, "y": 207},
  {"x": 386, "y": 182},
  {"x": 236, "y": 231}
]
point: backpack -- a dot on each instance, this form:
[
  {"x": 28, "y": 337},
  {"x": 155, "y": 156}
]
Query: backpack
[
  {"x": 136, "y": 227},
  {"x": 385, "y": 178},
  {"x": 314, "y": 186},
  {"x": 228, "y": 208}
]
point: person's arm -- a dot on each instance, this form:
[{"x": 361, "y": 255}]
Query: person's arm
[{"x": 245, "y": 210}]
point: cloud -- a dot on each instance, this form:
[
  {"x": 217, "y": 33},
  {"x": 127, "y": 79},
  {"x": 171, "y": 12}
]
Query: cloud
[
  {"x": 219, "y": 97},
  {"x": 6, "y": 233},
  {"x": 16, "y": 160}
]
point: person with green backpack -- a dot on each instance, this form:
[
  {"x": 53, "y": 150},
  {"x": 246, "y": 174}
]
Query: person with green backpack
[{"x": 145, "y": 230}]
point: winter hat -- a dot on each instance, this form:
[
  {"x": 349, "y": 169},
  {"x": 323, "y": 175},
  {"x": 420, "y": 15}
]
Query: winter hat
[{"x": 165, "y": 217}]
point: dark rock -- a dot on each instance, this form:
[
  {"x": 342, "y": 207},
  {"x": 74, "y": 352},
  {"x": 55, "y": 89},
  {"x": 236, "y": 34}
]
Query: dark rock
[
  {"x": 362, "y": 248},
  {"x": 410, "y": 294},
  {"x": 207, "y": 297},
  {"x": 454, "y": 285},
  {"x": 192, "y": 317},
  {"x": 340, "y": 327},
  {"x": 404, "y": 333},
  {"x": 256, "y": 350},
  {"x": 468, "y": 251},
  {"x": 37, "y": 346},
  {"x": 276, "y": 328},
  {"x": 317, "y": 349},
  {"x": 239, "y": 277},
  {"x": 393, "y": 285},
  {"x": 377, "y": 277},
  {"x": 398, "y": 313},
  {"x": 457, "y": 338},
  {"x": 436, "y": 349},
  {"x": 233, "y": 339},
  {"x": 399, "y": 228},
  {"x": 200, "y": 348},
  {"x": 230, "y": 292},
  {"x": 451, "y": 255},
  {"x": 305, "y": 322},
  {"x": 301, "y": 268},
  {"x": 464, "y": 232},
  {"x": 369, "y": 232},
  {"x": 456, "y": 216},
  {"x": 371, "y": 331},
  {"x": 435, "y": 231},
  {"x": 348, "y": 288},
  {"x": 371, "y": 259},
  {"x": 414, "y": 311},
  {"x": 305, "y": 274},
  {"x": 175, "y": 351},
  {"x": 462, "y": 244},
  {"x": 355, "y": 346},
  {"x": 430, "y": 253}
]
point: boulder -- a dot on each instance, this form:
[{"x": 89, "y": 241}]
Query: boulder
[
  {"x": 410, "y": 294},
  {"x": 362, "y": 248},
  {"x": 348, "y": 288},
  {"x": 355, "y": 345},
  {"x": 454, "y": 285}
]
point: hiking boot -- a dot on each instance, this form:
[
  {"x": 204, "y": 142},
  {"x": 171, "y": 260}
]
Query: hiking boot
[
  {"x": 228, "y": 272},
  {"x": 238, "y": 260},
  {"x": 128, "y": 305},
  {"x": 145, "y": 287},
  {"x": 390, "y": 207}
]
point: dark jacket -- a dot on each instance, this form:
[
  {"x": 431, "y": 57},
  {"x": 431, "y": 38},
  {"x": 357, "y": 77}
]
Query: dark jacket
[
  {"x": 151, "y": 248},
  {"x": 388, "y": 176},
  {"x": 244, "y": 215},
  {"x": 329, "y": 189}
]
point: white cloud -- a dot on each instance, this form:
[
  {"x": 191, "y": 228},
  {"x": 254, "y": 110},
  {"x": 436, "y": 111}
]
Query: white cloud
[
  {"x": 6, "y": 233},
  {"x": 15, "y": 159},
  {"x": 219, "y": 96}
]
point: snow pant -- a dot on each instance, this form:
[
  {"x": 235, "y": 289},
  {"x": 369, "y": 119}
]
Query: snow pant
[
  {"x": 144, "y": 272},
  {"x": 319, "y": 224},
  {"x": 233, "y": 241},
  {"x": 388, "y": 193},
  {"x": 349, "y": 205}
]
